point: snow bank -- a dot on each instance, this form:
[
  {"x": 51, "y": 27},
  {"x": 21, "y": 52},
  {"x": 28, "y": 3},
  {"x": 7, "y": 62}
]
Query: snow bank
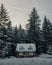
[
  {"x": 26, "y": 61},
  {"x": 46, "y": 56}
]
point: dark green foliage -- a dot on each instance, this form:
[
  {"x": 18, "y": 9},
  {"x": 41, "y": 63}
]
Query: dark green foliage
[
  {"x": 3, "y": 14},
  {"x": 15, "y": 35},
  {"x": 9, "y": 24},
  {"x": 34, "y": 29},
  {"x": 47, "y": 34},
  {"x": 34, "y": 23},
  {"x": 9, "y": 36},
  {"x": 21, "y": 34}
]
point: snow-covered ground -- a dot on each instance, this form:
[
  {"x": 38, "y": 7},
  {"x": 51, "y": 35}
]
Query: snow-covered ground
[
  {"x": 26, "y": 61},
  {"x": 45, "y": 56}
]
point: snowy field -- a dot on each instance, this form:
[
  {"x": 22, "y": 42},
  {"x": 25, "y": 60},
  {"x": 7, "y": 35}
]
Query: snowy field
[{"x": 26, "y": 61}]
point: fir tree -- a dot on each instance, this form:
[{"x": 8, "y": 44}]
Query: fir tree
[
  {"x": 9, "y": 24},
  {"x": 47, "y": 36},
  {"x": 15, "y": 32},
  {"x": 21, "y": 34},
  {"x": 3, "y": 14},
  {"x": 33, "y": 27}
]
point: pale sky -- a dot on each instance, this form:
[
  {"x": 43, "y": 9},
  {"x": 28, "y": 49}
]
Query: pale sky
[{"x": 19, "y": 10}]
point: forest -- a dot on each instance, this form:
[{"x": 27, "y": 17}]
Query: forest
[{"x": 34, "y": 33}]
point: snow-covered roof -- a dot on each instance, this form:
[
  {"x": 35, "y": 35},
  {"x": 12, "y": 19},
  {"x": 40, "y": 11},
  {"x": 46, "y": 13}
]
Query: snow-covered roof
[{"x": 26, "y": 47}]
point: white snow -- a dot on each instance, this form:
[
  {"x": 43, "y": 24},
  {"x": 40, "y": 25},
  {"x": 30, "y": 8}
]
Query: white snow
[
  {"x": 26, "y": 61},
  {"x": 25, "y": 47},
  {"x": 45, "y": 56}
]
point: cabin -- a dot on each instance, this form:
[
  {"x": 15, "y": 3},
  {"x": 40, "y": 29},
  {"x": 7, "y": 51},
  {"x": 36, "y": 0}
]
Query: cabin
[{"x": 25, "y": 50}]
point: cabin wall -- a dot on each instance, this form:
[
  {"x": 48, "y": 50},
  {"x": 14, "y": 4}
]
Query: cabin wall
[{"x": 25, "y": 54}]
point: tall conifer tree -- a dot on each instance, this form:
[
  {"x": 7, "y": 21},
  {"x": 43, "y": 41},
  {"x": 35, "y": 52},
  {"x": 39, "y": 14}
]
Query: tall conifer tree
[{"x": 33, "y": 28}]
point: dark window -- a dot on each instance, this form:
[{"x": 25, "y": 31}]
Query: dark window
[
  {"x": 21, "y": 48},
  {"x": 30, "y": 48}
]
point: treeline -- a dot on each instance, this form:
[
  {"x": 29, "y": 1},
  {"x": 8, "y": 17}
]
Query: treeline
[{"x": 10, "y": 36}]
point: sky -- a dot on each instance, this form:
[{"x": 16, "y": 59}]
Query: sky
[{"x": 19, "y": 10}]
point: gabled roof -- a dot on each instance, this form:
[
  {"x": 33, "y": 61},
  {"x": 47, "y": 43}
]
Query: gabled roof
[{"x": 21, "y": 47}]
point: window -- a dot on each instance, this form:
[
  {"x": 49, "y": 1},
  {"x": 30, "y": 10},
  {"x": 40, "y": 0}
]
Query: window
[
  {"x": 21, "y": 48},
  {"x": 30, "y": 48}
]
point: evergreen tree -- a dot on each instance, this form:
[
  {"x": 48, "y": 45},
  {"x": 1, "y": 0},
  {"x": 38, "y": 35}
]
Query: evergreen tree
[
  {"x": 47, "y": 36},
  {"x": 21, "y": 33},
  {"x": 9, "y": 24},
  {"x": 5, "y": 29},
  {"x": 4, "y": 18},
  {"x": 16, "y": 39},
  {"x": 3, "y": 14},
  {"x": 33, "y": 28}
]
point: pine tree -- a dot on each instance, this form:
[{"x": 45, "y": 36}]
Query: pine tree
[
  {"x": 3, "y": 13},
  {"x": 4, "y": 18},
  {"x": 16, "y": 39},
  {"x": 33, "y": 27},
  {"x": 9, "y": 24},
  {"x": 5, "y": 29},
  {"x": 47, "y": 36},
  {"x": 21, "y": 34}
]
